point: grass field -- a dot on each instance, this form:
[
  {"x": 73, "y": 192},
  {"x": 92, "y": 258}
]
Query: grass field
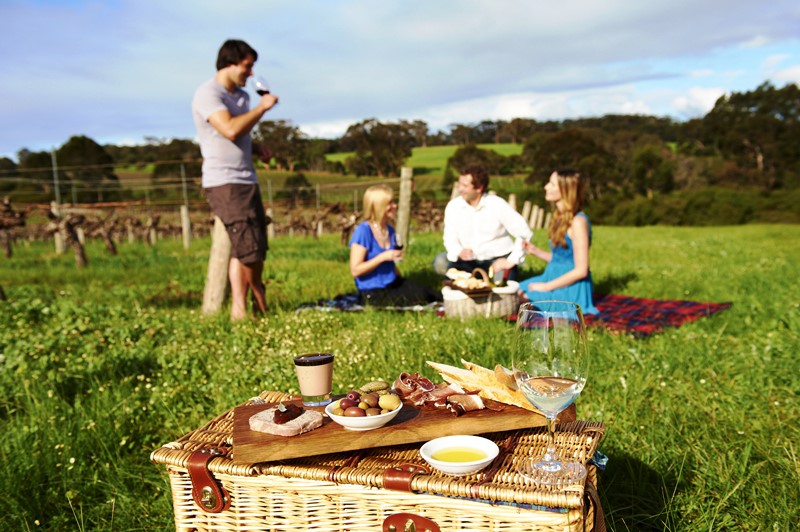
[{"x": 98, "y": 367}]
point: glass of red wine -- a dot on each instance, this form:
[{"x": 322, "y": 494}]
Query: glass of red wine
[{"x": 261, "y": 85}]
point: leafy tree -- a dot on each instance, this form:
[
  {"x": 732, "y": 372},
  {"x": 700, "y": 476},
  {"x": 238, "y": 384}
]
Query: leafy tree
[
  {"x": 517, "y": 130},
  {"x": 758, "y": 130},
  {"x": 314, "y": 157},
  {"x": 173, "y": 155},
  {"x": 297, "y": 189},
  {"x": 472, "y": 155},
  {"x": 87, "y": 166},
  {"x": 460, "y": 134},
  {"x": 486, "y": 132},
  {"x": 36, "y": 170},
  {"x": 285, "y": 141},
  {"x": 380, "y": 149},
  {"x": 419, "y": 129},
  {"x": 574, "y": 148},
  {"x": 8, "y": 174},
  {"x": 651, "y": 172}
]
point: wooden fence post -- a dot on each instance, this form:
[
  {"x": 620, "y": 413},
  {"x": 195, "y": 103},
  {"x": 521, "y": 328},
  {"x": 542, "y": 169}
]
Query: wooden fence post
[
  {"x": 186, "y": 226},
  {"x": 512, "y": 200},
  {"x": 59, "y": 240},
  {"x": 271, "y": 225},
  {"x": 526, "y": 210},
  {"x": 404, "y": 207},
  {"x": 217, "y": 275},
  {"x": 534, "y": 216}
]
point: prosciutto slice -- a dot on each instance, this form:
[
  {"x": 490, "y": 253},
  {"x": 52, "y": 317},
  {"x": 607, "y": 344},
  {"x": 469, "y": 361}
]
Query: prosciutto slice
[
  {"x": 460, "y": 404},
  {"x": 418, "y": 390}
]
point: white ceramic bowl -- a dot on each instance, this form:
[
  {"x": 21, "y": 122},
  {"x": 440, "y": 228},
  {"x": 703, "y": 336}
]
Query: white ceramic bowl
[
  {"x": 487, "y": 447},
  {"x": 362, "y": 423},
  {"x": 511, "y": 287}
]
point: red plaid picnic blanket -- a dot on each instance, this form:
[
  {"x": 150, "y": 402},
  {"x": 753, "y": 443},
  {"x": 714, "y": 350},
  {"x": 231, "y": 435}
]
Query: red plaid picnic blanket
[{"x": 643, "y": 317}]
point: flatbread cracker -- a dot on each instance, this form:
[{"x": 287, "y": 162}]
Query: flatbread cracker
[{"x": 484, "y": 381}]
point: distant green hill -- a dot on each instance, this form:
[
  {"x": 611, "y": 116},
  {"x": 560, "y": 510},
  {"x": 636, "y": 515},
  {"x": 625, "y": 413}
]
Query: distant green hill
[{"x": 433, "y": 159}]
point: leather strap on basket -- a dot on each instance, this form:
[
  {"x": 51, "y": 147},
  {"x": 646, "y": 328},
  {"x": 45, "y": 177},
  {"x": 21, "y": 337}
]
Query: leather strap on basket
[
  {"x": 590, "y": 492},
  {"x": 400, "y": 523},
  {"x": 207, "y": 492},
  {"x": 399, "y": 477}
]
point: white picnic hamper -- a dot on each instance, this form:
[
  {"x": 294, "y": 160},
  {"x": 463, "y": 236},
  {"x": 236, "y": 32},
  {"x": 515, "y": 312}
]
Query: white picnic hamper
[{"x": 500, "y": 302}]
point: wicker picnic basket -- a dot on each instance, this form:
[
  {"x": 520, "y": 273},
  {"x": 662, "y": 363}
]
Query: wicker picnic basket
[
  {"x": 499, "y": 302},
  {"x": 345, "y": 491}
]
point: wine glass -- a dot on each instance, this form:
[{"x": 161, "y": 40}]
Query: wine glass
[
  {"x": 550, "y": 364},
  {"x": 261, "y": 86}
]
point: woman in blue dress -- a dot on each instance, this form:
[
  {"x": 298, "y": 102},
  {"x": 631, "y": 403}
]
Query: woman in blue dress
[
  {"x": 374, "y": 253},
  {"x": 567, "y": 276}
]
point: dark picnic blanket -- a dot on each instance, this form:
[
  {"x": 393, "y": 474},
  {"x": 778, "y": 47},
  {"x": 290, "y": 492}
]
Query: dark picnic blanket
[
  {"x": 643, "y": 317},
  {"x": 352, "y": 303},
  {"x": 638, "y": 316}
]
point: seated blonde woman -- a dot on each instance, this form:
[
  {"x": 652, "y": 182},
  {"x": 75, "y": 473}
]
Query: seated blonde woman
[{"x": 373, "y": 252}]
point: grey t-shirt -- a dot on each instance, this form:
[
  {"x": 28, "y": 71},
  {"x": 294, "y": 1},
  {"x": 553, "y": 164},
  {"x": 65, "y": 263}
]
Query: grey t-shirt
[{"x": 224, "y": 162}]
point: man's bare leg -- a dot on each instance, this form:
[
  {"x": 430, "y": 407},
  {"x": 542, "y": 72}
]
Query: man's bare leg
[
  {"x": 253, "y": 273},
  {"x": 238, "y": 290},
  {"x": 244, "y": 277}
]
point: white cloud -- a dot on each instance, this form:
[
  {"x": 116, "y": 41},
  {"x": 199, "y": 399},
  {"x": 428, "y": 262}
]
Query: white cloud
[
  {"x": 758, "y": 41},
  {"x": 787, "y": 75},
  {"x": 698, "y": 101}
]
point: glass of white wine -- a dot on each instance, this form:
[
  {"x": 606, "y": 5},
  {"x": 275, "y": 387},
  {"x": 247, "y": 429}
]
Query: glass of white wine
[{"x": 550, "y": 364}]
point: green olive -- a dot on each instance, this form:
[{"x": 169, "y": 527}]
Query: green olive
[{"x": 371, "y": 399}]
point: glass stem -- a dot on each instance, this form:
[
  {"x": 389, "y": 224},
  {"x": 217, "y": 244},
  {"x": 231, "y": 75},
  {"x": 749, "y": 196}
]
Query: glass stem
[{"x": 551, "y": 455}]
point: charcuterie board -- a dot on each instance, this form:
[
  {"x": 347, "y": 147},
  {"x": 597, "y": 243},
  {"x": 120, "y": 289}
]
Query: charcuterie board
[{"x": 411, "y": 425}]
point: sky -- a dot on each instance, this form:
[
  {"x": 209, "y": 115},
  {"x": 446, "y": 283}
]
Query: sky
[{"x": 123, "y": 71}]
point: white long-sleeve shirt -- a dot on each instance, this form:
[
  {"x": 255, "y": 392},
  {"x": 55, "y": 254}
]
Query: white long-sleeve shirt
[{"x": 492, "y": 229}]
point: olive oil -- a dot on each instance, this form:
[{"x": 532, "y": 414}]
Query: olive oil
[{"x": 459, "y": 454}]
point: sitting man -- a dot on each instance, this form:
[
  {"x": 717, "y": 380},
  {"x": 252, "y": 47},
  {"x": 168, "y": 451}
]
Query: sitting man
[{"x": 481, "y": 230}]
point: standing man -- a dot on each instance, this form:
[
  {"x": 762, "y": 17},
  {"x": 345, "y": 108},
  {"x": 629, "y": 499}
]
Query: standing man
[
  {"x": 481, "y": 230},
  {"x": 223, "y": 118}
]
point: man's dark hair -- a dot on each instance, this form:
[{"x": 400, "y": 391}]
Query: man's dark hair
[
  {"x": 480, "y": 177},
  {"x": 234, "y": 52}
]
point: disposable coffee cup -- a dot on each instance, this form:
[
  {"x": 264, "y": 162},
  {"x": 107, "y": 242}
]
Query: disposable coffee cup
[{"x": 315, "y": 376}]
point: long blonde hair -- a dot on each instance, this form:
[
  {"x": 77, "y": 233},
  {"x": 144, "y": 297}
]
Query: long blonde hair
[
  {"x": 570, "y": 185},
  {"x": 376, "y": 202}
]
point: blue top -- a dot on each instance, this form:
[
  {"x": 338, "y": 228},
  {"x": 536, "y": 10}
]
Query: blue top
[
  {"x": 385, "y": 273},
  {"x": 563, "y": 261}
]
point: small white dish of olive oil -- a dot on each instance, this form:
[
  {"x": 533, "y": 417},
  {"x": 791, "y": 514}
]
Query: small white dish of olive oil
[{"x": 459, "y": 455}]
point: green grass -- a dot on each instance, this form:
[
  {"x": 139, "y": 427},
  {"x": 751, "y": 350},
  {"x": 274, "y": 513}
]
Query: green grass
[{"x": 98, "y": 367}]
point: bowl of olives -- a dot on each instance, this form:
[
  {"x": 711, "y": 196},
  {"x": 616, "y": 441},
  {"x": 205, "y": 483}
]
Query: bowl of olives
[{"x": 364, "y": 411}]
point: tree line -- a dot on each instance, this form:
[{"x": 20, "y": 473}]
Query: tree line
[{"x": 748, "y": 140}]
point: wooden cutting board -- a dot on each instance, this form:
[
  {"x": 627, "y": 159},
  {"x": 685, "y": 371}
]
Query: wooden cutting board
[{"x": 411, "y": 425}]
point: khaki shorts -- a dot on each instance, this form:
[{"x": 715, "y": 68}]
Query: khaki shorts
[{"x": 241, "y": 210}]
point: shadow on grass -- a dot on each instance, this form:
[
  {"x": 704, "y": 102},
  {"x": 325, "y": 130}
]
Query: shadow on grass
[
  {"x": 634, "y": 495},
  {"x": 172, "y": 297},
  {"x": 614, "y": 284}
]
